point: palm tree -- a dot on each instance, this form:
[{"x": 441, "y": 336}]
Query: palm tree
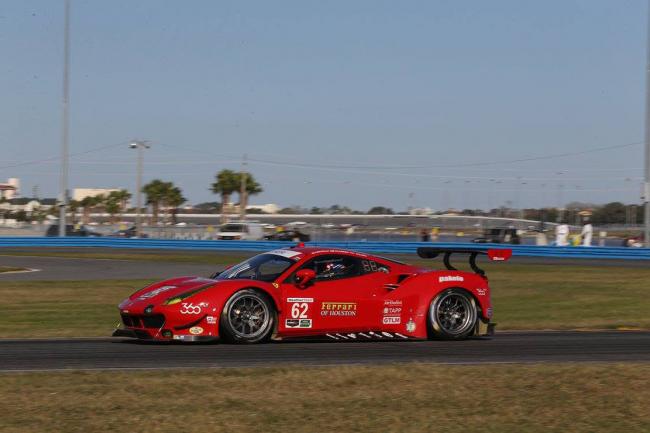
[
  {"x": 73, "y": 206},
  {"x": 227, "y": 182},
  {"x": 88, "y": 203},
  {"x": 116, "y": 202},
  {"x": 173, "y": 199},
  {"x": 112, "y": 204},
  {"x": 155, "y": 192},
  {"x": 122, "y": 197},
  {"x": 252, "y": 188}
]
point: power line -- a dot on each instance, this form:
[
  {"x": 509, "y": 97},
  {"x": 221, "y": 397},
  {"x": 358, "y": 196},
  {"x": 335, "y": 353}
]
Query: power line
[
  {"x": 341, "y": 165},
  {"x": 57, "y": 158}
]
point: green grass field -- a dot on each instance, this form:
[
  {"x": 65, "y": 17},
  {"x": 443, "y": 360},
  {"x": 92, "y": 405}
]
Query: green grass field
[{"x": 610, "y": 398}]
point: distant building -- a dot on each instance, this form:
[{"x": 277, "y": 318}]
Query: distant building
[
  {"x": 27, "y": 204},
  {"x": 79, "y": 194},
  {"x": 11, "y": 189},
  {"x": 270, "y": 208},
  {"x": 421, "y": 211}
]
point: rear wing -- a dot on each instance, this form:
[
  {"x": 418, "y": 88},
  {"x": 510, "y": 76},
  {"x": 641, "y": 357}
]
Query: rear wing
[{"x": 496, "y": 255}]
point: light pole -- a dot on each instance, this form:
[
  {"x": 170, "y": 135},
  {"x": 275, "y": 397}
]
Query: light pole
[
  {"x": 63, "y": 186},
  {"x": 646, "y": 189},
  {"x": 139, "y": 146},
  {"x": 243, "y": 195}
]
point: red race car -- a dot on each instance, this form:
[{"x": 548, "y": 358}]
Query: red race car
[{"x": 306, "y": 292}]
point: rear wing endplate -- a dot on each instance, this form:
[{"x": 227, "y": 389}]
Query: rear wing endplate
[{"x": 494, "y": 254}]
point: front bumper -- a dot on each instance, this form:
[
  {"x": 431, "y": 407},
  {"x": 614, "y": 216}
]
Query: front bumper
[
  {"x": 140, "y": 335},
  {"x": 156, "y": 327}
]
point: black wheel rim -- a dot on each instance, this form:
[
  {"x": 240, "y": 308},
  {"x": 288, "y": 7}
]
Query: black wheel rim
[{"x": 248, "y": 316}]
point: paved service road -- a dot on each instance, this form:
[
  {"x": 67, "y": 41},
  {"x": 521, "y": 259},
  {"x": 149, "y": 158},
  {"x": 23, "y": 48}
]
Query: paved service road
[
  {"x": 63, "y": 268},
  {"x": 523, "y": 347}
]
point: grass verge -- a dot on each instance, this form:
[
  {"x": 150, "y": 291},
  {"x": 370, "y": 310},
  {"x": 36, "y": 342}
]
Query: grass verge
[
  {"x": 399, "y": 398},
  {"x": 62, "y": 308}
]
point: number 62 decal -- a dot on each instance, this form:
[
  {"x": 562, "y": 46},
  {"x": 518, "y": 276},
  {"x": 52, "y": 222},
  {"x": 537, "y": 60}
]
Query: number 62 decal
[{"x": 299, "y": 311}]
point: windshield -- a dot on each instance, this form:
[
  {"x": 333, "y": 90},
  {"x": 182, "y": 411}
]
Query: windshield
[
  {"x": 264, "y": 267},
  {"x": 240, "y": 228}
]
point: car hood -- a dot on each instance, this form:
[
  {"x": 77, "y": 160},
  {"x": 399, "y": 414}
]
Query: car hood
[{"x": 158, "y": 293}]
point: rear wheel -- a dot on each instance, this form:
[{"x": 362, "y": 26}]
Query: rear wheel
[
  {"x": 452, "y": 315},
  {"x": 248, "y": 317}
]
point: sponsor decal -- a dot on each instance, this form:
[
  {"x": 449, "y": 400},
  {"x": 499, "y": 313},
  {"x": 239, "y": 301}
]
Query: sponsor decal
[
  {"x": 449, "y": 278},
  {"x": 182, "y": 337},
  {"x": 276, "y": 285},
  {"x": 196, "y": 330},
  {"x": 190, "y": 308},
  {"x": 391, "y": 320},
  {"x": 155, "y": 292},
  {"x": 300, "y": 300},
  {"x": 410, "y": 326},
  {"x": 392, "y": 302},
  {"x": 297, "y": 323},
  {"x": 332, "y": 309},
  {"x": 211, "y": 320},
  {"x": 290, "y": 254},
  {"x": 488, "y": 313},
  {"x": 392, "y": 310},
  {"x": 481, "y": 292}
]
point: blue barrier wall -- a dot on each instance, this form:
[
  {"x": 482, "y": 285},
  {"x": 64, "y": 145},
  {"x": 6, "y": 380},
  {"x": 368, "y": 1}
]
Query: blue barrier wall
[{"x": 371, "y": 247}]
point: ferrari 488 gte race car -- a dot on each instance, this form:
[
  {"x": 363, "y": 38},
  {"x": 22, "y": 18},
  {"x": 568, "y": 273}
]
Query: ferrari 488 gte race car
[{"x": 308, "y": 291}]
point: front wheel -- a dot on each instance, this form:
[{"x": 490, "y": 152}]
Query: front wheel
[
  {"x": 248, "y": 317},
  {"x": 452, "y": 315}
]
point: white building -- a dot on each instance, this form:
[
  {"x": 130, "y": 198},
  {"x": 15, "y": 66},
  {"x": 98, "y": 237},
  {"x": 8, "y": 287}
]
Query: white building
[
  {"x": 270, "y": 208},
  {"x": 79, "y": 194},
  {"x": 11, "y": 189}
]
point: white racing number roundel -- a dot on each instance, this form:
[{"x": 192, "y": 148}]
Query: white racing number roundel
[{"x": 299, "y": 307}]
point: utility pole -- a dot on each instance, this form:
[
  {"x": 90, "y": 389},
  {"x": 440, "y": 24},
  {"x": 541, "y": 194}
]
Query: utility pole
[
  {"x": 646, "y": 189},
  {"x": 63, "y": 186},
  {"x": 242, "y": 190},
  {"x": 139, "y": 146}
]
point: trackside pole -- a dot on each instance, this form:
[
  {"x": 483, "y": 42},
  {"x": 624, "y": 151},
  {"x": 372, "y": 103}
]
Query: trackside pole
[{"x": 646, "y": 185}]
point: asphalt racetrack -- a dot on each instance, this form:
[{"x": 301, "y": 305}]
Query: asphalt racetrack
[{"x": 523, "y": 347}]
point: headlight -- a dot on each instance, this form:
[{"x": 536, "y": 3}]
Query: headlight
[{"x": 178, "y": 298}]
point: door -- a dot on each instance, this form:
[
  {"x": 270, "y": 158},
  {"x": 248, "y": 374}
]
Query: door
[{"x": 346, "y": 296}]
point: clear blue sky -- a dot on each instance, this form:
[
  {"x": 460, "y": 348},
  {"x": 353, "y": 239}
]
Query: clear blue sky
[{"x": 339, "y": 84}]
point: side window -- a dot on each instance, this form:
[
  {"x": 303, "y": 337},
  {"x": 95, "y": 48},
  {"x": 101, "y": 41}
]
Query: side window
[
  {"x": 334, "y": 267},
  {"x": 370, "y": 266}
]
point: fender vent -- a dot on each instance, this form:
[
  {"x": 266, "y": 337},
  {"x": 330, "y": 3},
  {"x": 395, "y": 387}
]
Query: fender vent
[{"x": 402, "y": 277}]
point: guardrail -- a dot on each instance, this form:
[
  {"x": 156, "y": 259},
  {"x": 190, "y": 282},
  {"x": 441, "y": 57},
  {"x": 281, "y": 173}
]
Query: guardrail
[{"x": 370, "y": 247}]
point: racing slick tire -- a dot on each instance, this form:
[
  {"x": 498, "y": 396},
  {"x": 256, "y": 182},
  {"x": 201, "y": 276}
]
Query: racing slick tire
[
  {"x": 452, "y": 315},
  {"x": 248, "y": 317}
]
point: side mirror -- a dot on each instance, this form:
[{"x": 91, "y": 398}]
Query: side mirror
[{"x": 304, "y": 278}]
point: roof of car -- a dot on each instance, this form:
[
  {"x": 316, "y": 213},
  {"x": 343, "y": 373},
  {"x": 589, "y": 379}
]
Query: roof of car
[{"x": 311, "y": 251}]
